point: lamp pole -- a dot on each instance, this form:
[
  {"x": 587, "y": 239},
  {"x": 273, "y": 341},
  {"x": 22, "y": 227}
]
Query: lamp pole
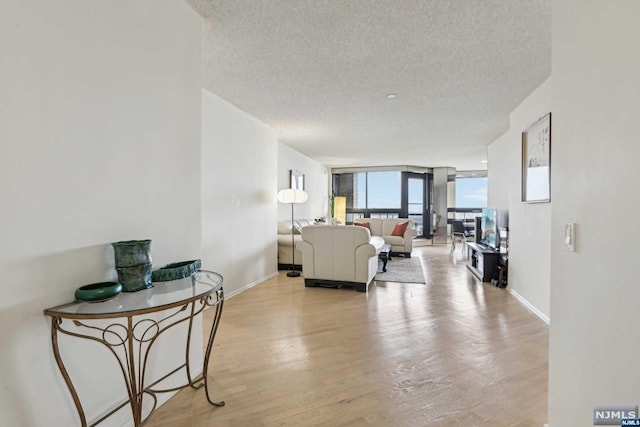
[
  {"x": 292, "y": 196},
  {"x": 293, "y": 272}
]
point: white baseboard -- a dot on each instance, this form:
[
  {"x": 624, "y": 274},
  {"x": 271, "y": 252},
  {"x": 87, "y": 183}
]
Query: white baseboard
[
  {"x": 249, "y": 286},
  {"x": 529, "y": 306}
]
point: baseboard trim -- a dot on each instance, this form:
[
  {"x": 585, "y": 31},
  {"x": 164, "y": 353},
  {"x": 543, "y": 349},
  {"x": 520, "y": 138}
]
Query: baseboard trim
[
  {"x": 530, "y": 306},
  {"x": 250, "y": 285}
]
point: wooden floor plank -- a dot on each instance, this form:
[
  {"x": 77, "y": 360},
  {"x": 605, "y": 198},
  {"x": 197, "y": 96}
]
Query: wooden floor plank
[{"x": 450, "y": 352}]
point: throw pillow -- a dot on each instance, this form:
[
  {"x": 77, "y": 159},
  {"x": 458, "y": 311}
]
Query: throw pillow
[
  {"x": 363, "y": 224},
  {"x": 400, "y": 228}
]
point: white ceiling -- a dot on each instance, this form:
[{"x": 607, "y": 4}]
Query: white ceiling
[{"x": 318, "y": 71}]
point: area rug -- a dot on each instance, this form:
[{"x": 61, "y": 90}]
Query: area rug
[{"x": 407, "y": 270}]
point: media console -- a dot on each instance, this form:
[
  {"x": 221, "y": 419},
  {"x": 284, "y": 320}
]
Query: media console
[{"x": 482, "y": 261}]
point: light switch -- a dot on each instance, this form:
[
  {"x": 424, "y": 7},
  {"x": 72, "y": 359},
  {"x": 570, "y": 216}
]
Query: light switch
[{"x": 570, "y": 237}]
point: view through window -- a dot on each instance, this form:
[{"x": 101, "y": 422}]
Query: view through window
[
  {"x": 383, "y": 194},
  {"x": 471, "y": 197},
  {"x": 471, "y": 192},
  {"x": 383, "y": 190},
  {"x": 370, "y": 194}
]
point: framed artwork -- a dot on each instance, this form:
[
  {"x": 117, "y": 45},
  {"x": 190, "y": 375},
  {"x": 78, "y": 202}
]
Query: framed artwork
[
  {"x": 536, "y": 161},
  {"x": 297, "y": 180}
]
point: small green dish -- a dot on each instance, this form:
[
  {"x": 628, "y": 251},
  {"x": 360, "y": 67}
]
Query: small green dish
[{"x": 97, "y": 292}]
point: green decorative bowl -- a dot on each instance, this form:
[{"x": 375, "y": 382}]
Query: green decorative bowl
[
  {"x": 97, "y": 292},
  {"x": 176, "y": 271}
]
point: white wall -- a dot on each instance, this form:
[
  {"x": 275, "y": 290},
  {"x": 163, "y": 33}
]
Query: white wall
[
  {"x": 529, "y": 223},
  {"x": 239, "y": 189},
  {"x": 594, "y": 338},
  {"x": 503, "y": 166},
  {"x": 99, "y": 130},
  {"x": 316, "y": 179}
]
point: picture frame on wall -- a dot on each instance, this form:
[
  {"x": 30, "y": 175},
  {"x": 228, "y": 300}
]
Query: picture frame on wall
[
  {"x": 297, "y": 180},
  {"x": 536, "y": 161}
]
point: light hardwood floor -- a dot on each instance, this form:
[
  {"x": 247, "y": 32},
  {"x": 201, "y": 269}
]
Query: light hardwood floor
[{"x": 452, "y": 352}]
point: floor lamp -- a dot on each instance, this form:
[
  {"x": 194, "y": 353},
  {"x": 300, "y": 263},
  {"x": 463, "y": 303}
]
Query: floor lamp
[
  {"x": 292, "y": 196},
  {"x": 340, "y": 209}
]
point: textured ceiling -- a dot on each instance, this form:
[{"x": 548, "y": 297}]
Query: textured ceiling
[{"x": 318, "y": 71}]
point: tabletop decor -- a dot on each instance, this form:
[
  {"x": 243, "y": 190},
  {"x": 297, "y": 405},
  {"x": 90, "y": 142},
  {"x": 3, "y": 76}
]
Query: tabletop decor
[
  {"x": 129, "y": 253},
  {"x": 133, "y": 264},
  {"x": 135, "y": 278},
  {"x": 98, "y": 292},
  {"x": 175, "y": 271}
]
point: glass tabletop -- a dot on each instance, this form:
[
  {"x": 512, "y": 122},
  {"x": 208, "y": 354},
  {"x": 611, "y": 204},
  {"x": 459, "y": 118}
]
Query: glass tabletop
[{"x": 161, "y": 296}]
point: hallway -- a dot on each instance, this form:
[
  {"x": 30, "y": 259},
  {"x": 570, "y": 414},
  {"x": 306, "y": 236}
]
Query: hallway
[{"x": 451, "y": 352}]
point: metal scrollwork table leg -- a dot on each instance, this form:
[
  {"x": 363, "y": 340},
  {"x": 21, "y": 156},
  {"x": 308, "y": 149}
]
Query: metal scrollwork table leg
[{"x": 130, "y": 342}]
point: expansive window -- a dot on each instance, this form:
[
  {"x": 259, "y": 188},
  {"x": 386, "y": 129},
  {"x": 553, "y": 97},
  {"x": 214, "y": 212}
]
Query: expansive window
[
  {"x": 416, "y": 202},
  {"x": 383, "y": 190},
  {"x": 384, "y": 194},
  {"x": 360, "y": 190},
  {"x": 471, "y": 197},
  {"x": 471, "y": 192},
  {"x": 369, "y": 194},
  {"x": 404, "y": 194}
]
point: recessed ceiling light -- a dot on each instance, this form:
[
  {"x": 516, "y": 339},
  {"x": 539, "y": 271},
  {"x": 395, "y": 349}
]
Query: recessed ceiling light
[
  {"x": 391, "y": 95},
  {"x": 459, "y": 176},
  {"x": 474, "y": 174},
  {"x": 484, "y": 161}
]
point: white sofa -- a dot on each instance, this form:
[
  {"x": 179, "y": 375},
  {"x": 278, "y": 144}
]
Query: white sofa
[
  {"x": 338, "y": 255},
  {"x": 383, "y": 227},
  {"x": 285, "y": 247}
]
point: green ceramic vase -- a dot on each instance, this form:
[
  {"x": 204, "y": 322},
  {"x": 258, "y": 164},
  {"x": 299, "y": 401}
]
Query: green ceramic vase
[
  {"x": 132, "y": 253},
  {"x": 135, "y": 278}
]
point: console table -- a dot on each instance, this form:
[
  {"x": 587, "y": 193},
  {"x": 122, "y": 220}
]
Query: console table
[
  {"x": 481, "y": 261},
  {"x": 131, "y": 335}
]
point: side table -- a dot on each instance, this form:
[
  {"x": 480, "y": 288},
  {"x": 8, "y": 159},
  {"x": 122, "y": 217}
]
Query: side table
[{"x": 131, "y": 335}]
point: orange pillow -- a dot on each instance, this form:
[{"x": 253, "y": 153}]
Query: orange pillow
[
  {"x": 363, "y": 224},
  {"x": 400, "y": 228}
]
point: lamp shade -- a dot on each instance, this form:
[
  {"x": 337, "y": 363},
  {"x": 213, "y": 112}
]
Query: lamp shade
[
  {"x": 291, "y": 195},
  {"x": 340, "y": 209}
]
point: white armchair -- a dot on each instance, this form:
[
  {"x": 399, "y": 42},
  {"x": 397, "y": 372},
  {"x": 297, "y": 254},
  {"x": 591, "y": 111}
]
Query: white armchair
[{"x": 338, "y": 255}]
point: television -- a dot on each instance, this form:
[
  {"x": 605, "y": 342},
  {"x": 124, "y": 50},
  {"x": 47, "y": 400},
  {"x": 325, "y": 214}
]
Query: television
[{"x": 489, "y": 228}]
